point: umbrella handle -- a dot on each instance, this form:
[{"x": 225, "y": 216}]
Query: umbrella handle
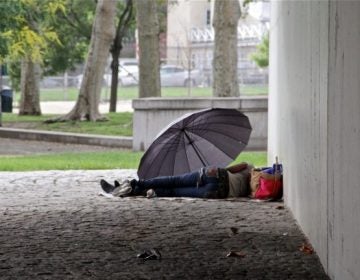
[{"x": 195, "y": 148}]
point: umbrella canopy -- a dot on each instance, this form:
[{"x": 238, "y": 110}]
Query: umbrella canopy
[{"x": 208, "y": 137}]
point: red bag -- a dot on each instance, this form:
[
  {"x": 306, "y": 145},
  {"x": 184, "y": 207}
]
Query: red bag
[{"x": 270, "y": 187}]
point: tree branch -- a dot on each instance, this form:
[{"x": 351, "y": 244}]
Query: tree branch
[{"x": 123, "y": 26}]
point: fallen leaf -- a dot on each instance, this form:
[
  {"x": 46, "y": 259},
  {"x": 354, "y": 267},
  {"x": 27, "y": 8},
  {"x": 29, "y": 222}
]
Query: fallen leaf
[
  {"x": 234, "y": 230},
  {"x": 280, "y": 207},
  {"x": 306, "y": 248},
  {"x": 237, "y": 254}
]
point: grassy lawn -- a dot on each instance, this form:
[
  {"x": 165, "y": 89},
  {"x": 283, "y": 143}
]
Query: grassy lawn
[
  {"x": 119, "y": 124},
  {"x": 71, "y": 161},
  {"x": 95, "y": 161},
  {"x": 128, "y": 93}
]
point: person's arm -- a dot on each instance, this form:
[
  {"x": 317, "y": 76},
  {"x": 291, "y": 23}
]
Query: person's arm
[{"x": 237, "y": 167}]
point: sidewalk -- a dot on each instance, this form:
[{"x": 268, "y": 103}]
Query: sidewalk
[
  {"x": 63, "y": 107},
  {"x": 55, "y": 226}
]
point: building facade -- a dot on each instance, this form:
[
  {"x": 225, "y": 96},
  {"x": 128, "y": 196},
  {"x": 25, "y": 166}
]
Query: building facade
[{"x": 190, "y": 38}]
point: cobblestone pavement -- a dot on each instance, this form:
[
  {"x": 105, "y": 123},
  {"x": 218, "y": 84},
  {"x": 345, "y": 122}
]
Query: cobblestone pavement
[{"x": 54, "y": 225}]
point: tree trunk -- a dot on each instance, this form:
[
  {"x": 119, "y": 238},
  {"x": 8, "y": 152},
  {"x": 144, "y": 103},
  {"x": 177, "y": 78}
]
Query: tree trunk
[
  {"x": 114, "y": 81},
  {"x": 148, "y": 38},
  {"x": 30, "y": 88},
  {"x": 116, "y": 48},
  {"x": 225, "y": 77},
  {"x": 1, "y": 81},
  {"x": 103, "y": 31}
]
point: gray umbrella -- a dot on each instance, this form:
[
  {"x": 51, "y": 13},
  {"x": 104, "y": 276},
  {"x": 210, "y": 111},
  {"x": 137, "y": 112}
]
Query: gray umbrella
[{"x": 208, "y": 137}]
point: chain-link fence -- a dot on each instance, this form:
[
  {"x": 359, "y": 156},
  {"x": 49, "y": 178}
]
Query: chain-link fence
[{"x": 174, "y": 78}]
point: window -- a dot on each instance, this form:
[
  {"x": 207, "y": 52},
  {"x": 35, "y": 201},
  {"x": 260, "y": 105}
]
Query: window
[{"x": 208, "y": 17}]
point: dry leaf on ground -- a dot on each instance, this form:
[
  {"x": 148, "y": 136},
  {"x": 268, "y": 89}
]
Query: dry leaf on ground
[
  {"x": 306, "y": 248},
  {"x": 234, "y": 230},
  {"x": 237, "y": 254}
]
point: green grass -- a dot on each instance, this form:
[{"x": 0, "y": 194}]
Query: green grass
[
  {"x": 119, "y": 124},
  {"x": 128, "y": 93},
  {"x": 11, "y": 117},
  {"x": 258, "y": 159},
  {"x": 94, "y": 161},
  {"x": 254, "y": 90},
  {"x": 71, "y": 161}
]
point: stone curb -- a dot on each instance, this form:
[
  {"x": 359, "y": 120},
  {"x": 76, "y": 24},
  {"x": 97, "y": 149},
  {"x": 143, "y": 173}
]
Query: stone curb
[{"x": 66, "y": 137}]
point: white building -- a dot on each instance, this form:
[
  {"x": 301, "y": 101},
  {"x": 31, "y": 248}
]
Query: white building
[{"x": 190, "y": 36}]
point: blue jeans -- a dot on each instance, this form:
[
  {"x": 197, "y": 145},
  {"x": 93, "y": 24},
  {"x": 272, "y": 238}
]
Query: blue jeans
[{"x": 194, "y": 184}]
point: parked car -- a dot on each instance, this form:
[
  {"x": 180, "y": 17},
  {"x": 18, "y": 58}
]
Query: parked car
[
  {"x": 128, "y": 79},
  {"x": 128, "y": 72},
  {"x": 52, "y": 82},
  {"x": 124, "y": 80},
  {"x": 176, "y": 76},
  {"x": 78, "y": 80},
  {"x": 128, "y": 65},
  {"x": 170, "y": 75}
]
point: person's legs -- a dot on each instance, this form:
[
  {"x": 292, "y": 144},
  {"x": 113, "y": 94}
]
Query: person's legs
[
  {"x": 185, "y": 180},
  {"x": 186, "y": 185},
  {"x": 165, "y": 185},
  {"x": 203, "y": 190}
]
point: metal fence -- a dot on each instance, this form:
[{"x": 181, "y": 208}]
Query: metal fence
[{"x": 64, "y": 87}]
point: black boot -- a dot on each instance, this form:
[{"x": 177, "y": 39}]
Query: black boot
[
  {"x": 133, "y": 183},
  {"x": 108, "y": 188},
  {"x": 135, "y": 191}
]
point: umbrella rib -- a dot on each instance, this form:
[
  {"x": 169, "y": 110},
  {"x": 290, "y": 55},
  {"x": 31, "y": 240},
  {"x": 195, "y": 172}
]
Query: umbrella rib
[
  {"x": 196, "y": 127},
  {"x": 218, "y": 147},
  {"x": 170, "y": 143},
  {"x": 185, "y": 150},
  {"x": 178, "y": 143},
  {"x": 173, "y": 143},
  {"x": 197, "y": 151},
  {"x": 239, "y": 121},
  {"x": 203, "y": 135}
]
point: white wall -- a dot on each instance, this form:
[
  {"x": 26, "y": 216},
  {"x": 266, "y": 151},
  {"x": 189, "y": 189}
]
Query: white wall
[
  {"x": 314, "y": 123},
  {"x": 151, "y": 115}
]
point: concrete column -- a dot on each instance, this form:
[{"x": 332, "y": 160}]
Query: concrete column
[
  {"x": 344, "y": 140},
  {"x": 314, "y": 120}
]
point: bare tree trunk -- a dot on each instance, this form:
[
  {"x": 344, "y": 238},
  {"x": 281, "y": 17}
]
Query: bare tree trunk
[
  {"x": 103, "y": 31},
  {"x": 116, "y": 48},
  {"x": 114, "y": 81},
  {"x": 148, "y": 34},
  {"x": 225, "y": 77},
  {"x": 30, "y": 88}
]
